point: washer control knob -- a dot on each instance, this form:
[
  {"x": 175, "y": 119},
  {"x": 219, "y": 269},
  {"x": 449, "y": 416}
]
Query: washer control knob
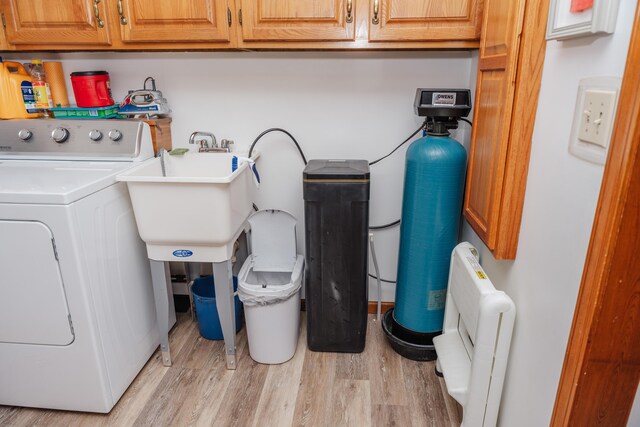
[
  {"x": 25, "y": 134},
  {"x": 95, "y": 135},
  {"x": 115, "y": 135},
  {"x": 60, "y": 135}
]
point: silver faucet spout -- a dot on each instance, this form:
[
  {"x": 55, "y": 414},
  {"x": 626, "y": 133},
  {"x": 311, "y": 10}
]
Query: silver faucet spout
[{"x": 202, "y": 142}]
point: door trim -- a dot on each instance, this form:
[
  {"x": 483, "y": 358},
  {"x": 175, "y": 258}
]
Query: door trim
[{"x": 602, "y": 363}]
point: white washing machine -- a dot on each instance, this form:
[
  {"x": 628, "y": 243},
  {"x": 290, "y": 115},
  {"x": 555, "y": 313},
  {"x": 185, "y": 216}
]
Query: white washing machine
[{"x": 77, "y": 314}]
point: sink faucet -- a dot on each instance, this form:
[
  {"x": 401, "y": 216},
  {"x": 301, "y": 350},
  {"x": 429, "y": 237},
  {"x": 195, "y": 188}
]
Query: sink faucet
[
  {"x": 204, "y": 145},
  {"x": 203, "y": 141}
]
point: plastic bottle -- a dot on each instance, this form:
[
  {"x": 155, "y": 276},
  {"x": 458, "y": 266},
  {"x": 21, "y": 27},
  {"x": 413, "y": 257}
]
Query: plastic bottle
[
  {"x": 15, "y": 90},
  {"x": 41, "y": 88}
]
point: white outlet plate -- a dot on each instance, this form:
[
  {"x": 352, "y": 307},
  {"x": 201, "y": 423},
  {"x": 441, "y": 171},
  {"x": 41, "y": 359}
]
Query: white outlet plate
[{"x": 594, "y": 117}]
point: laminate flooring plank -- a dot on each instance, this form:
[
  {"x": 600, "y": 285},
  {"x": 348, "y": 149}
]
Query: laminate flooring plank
[
  {"x": 390, "y": 416},
  {"x": 201, "y": 354},
  {"x": 426, "y": 401},
  {"x": 166, "y": 401},
  {"x": 23, "y": 417},
  {"x": 150, "y": 377},
  {"x": 454, "y": 409},
  {"x": 138, "y": 393},
  {"x": 200, "y": 387},
  {"x": 201, "y": 402},
  {"x": 238, "y": 408},
  {"x": 352, "y": 366},
  {"x": 214, "y": 388},
  {"x": 70, "y": 419},
  {"x": 385, "y": 367},
  {"x": 312, "y": 389},
  {"x": 129, "y": 405},
  {"x": 241, "y": 343},
  {"x": 182, "y": 340},
  {"x": 278, "y": 399},
  {"x": 315, "y": 391},
  {"x": 351, "y": 404},
  {"x": 16, "y": 416}
]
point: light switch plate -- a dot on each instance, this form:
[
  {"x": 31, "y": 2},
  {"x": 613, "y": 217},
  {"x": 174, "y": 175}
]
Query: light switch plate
[
  {"x": 594, "y": 118},
  {"x": 597, "y": 116}
]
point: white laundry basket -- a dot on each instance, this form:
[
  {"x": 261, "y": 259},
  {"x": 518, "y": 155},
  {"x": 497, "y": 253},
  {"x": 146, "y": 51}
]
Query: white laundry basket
[{"x": 269, "y": 285}]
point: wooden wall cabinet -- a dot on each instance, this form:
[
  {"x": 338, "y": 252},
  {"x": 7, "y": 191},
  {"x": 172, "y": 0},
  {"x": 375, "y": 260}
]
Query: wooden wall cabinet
[
  {"x": 172, "y": 21},
  {"x": 424, "y": 20},
  {"x": 4, "y": 46},
  {"x": 359, "y": 24},
  {"x": 247, "y": 24},
  {"x": 118, "y": 24},
  {"x": 512, "y": 48},
  {"x": 52, "y": 24},
  {"x": 294, "y": 20}
]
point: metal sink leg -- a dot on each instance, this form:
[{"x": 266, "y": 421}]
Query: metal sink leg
[
  {"x": 159, "y": 277},
  {"x": 223, "y": 278}
]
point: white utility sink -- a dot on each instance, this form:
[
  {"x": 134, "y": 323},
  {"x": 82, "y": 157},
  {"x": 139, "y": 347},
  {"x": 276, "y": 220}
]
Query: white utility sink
[{"x": 195, "y": 212}]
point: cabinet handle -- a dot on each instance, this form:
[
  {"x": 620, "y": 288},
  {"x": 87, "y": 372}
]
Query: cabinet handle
[
  {"x": 123, "y": 19},
  {"x": 376, "y": 11},
  {"x": 349, "y": 11},
  {"x": 96, "y": 13}
]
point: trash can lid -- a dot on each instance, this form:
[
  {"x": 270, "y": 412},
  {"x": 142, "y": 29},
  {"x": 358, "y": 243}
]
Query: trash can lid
[{"x": 273, "y": 240}]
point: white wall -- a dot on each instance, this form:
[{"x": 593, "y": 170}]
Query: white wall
[
  {"x": 634, "y": 417},
  {"x": 340, "y": 104},
  {"x": 560, "y": 201}
]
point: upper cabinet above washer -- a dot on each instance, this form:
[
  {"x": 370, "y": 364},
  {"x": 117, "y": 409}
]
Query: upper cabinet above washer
[
  {"x": 173, "y": 21},
  {"x": 55, "y": 24},
  {"x": 246, "y": 24},
  {"x": 295, "y": 20},
  {"x": 425, "y": 20},
  {"x": 118, "y": 24}
]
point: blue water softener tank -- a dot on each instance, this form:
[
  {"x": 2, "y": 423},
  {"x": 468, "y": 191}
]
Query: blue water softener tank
[{"x": 431, "y": 214}]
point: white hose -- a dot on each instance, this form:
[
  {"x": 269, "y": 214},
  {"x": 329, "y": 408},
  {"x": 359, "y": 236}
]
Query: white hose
[{"x": 375, "y": 265}]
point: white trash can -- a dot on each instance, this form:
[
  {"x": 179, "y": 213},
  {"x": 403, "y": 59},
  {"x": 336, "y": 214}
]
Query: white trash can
[{"x": 269, "y": 285}]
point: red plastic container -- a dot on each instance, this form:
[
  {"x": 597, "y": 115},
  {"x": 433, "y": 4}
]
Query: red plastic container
[{"x": 92, "y": 88}]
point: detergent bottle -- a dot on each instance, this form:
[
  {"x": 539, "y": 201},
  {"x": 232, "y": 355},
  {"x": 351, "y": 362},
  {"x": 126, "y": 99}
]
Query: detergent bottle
[{"x": 16, "y": 92}]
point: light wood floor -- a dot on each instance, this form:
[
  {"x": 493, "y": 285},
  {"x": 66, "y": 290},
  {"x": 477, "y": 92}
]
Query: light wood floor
[{"x": 374, "y": 388}]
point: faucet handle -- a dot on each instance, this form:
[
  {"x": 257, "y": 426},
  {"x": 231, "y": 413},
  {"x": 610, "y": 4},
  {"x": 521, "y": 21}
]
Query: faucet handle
[{"x": 226, "y": 143}]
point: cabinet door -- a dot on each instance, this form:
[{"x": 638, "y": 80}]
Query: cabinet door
[
  {"x": 297, "y": 20},
  {"x": 422, "y": 20},
  {"x": 3, "y": 39},
  {"x": 509, "y": 71},
  {"x": 62, "y": 22},
  {"x": 173, "y": 20}
]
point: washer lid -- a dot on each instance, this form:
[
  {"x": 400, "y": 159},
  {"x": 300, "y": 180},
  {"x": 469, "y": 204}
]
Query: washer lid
[
  {"x": 273, "y": 240},
  {"x": 54, "y": 182}
]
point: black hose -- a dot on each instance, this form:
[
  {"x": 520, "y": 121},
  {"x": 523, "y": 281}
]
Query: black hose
[
  {"x": 382, "y": 227},
  {"x": 400, "y": 145},
  {"x": 304, "y": 159},
  {"x": 381, "y": 279}
]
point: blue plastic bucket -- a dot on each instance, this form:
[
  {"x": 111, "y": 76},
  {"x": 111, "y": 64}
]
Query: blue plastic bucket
[{"x": 204, "y": 297}]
